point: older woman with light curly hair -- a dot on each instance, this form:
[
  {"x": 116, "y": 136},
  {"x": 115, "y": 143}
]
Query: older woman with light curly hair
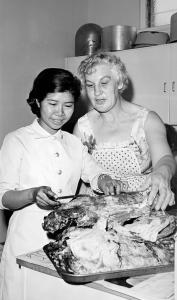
[{"x": 126, "y": 139}]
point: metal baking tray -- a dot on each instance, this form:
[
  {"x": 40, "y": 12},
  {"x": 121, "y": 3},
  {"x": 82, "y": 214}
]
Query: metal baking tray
[{"x": 81, "y": 279}]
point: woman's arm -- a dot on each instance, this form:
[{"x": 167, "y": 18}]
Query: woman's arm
[
  {"x": 161, "y": 155},
  {"x": 17, "y": 199},
  {"x": 11, "y": 195},
  {"x": 157, "y": 139},
  {"x": 42, "y": 196},
  {"x": 163, "y": 163}
]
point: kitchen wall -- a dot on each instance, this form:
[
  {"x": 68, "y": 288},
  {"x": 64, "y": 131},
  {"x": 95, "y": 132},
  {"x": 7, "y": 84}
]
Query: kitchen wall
[
  {"x": 39, "y": 33},
  {"x": 114, "y": 12},
  {"x": 36, "y": 34}
]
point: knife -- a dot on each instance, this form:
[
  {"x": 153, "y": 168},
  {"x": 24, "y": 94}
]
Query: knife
[
  {"x": 70, "y": 196},
  {"x": 83, "y": 195}
]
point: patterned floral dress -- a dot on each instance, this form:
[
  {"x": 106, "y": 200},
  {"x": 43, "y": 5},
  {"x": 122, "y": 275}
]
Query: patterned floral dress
[{"x": 129, "y": 160}]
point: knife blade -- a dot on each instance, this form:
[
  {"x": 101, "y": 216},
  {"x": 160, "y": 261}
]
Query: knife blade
[{"x": 70, "y": 196}]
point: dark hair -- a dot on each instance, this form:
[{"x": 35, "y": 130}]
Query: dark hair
[{"x": 52, "y": 80}]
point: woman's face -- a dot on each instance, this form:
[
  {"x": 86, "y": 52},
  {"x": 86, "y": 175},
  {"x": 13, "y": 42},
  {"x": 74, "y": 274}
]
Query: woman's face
[
  {"x": 55, "y": 110},
  {"x": 102, "y": 87}
]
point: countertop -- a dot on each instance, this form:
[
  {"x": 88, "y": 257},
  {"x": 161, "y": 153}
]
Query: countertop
[{"x": 38, "y": 261}]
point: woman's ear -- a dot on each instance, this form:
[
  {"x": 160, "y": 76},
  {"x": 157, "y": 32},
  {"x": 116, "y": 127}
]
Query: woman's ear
[
  {"x": 37, "y": 103},
  {"x": 120, "y": 85}
]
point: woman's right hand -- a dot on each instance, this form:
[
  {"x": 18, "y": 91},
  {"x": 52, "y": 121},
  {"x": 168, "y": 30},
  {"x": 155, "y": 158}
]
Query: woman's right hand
[
  {"x": 159, "y": 186},
  {"x": 44, "y": 197}
]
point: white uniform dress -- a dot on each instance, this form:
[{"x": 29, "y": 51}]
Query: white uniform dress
[
  {"x": 31, "y": 157},
  {"x": 129, "y": 160}
]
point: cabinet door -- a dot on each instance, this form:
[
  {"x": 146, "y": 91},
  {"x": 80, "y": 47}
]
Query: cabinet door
[
  {"x": 148, "y": 69},
  {"x": 173, "y": 84}
]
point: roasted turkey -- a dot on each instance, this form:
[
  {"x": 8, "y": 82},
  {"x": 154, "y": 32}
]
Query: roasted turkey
[
  {"x": 85, "y": 211},
  {"x": 107, "y": 233}
]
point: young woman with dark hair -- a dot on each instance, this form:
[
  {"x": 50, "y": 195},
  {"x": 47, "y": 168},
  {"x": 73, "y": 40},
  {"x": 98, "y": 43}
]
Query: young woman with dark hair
[{"x": 37, "y": 163}]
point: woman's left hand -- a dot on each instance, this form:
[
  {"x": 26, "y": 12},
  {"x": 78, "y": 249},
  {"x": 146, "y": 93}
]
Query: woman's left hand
[
  {"x": 110, "y": 186},
  {"x": 159, "y": 187}
]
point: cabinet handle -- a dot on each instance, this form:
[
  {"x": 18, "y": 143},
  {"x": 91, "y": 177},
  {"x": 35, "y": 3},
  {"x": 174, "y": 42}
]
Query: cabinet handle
[
  {"x": 173, "y": 86},
  {"x": 164, "y": 87}
]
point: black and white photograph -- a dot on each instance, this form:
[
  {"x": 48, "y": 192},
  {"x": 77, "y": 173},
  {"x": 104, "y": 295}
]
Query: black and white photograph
[{"x": 88, "y": 150}]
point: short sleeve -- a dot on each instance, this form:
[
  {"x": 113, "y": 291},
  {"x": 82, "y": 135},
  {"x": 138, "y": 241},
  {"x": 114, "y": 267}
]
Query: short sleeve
[
  {"x": 85, "y": 128},
  {"x": 10, "y": 160}
]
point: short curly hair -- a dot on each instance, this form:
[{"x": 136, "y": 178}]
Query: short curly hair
[
  {"x": 113, "y": 61},
  {"x": 52, "y": 80}
]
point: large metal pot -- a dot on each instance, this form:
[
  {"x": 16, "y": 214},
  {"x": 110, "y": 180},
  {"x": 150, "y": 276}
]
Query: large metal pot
[
  {"x": 118, "y": 37},
  {"x": 173, "y": 28},
  {"x": 87, "y": 39}
]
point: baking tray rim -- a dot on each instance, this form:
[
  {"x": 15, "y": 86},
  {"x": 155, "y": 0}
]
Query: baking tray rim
[{"x": 86, "y": 278}]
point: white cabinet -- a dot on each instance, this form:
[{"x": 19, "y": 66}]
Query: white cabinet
[
  {"x": 153, "y": 78},
  {"x": 148, "y": 74},
  {"x": 173, "y": 84}
]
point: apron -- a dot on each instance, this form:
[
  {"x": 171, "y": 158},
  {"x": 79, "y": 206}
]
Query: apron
[
  {"x": 127, "y": 161},
  {"x": 25, "y": 234}
]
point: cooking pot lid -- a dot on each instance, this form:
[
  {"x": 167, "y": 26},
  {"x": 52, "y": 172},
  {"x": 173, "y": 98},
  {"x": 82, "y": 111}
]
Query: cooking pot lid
[{"x": 151, "y": 38}]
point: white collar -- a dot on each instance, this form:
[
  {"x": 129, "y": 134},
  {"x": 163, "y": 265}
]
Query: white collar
[{"x": 42, "y": 133}]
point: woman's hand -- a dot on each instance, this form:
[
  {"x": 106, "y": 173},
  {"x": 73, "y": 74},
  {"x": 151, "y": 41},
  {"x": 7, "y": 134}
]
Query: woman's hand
[
  {"x": 110, "y": 186},
  {"x": 163, "y": 163},
  {"x": 160, "y": 187},
  {"x": 44, "y": 197}
]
